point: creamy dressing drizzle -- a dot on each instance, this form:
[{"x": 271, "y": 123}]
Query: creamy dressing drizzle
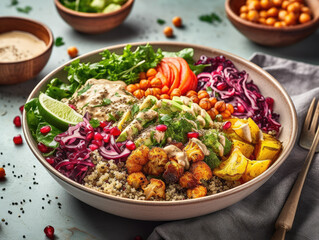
[{"x": 19, "y": 46}]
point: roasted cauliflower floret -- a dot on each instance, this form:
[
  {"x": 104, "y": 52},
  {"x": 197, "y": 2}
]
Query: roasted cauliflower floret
[
  {"x": 157, "y": 160},
  {"x": 188, "y": 180},
  {"x": 194, "y": 152},
  {"x": 137, "y": 180},
  {"x": 197, "y": 192},
  {"x": 137, "y": 159},
  {"x": 175, "y": 153},
  {"x": 156, "y": 188},
  {"x": 201, "y": 171},
  {"x": 173, "y": 172}
]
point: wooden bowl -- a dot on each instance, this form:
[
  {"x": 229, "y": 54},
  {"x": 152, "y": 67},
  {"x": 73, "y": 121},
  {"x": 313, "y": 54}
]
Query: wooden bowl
[
  {"x": 180, "y": 209},
  {"x": 268, "y": 35},
  {"x": 94, "y": 23},
  {"x": 21, "y": 71}
]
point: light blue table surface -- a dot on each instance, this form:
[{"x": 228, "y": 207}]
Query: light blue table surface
[{"x": 76, "y": 220}]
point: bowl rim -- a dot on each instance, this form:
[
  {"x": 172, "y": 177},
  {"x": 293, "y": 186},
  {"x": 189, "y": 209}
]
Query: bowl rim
[
  {"x": 124, "y": 7},
  {"x": 314, "y": 22},
  {"x": 48, "y": 32},
  {"x": 283, "y": 156}
]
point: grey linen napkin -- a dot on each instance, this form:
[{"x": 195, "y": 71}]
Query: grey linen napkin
[{"x": 254, "y": 217}]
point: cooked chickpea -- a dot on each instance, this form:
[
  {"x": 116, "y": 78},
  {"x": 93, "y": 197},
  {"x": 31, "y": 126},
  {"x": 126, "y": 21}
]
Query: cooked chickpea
[
  {"x": 277, "y": 3},
  {"x": 151, "y": 72},
  {"x": 139, "y": 93},
  {"x": 265, "y": 4},
  {"x": 272, "y": 12},
  {"x": 144, "y": 84},
  {"x": 205, "y": 104},
  {"x": 131, "y": 88},
  {"x": 213, "y": 101},
  {"x": 202, "y": 94},
  {"x": 220, "y": 106},
  {"x": 168, "y": 31},
  {"x": 243, "y": 9},
  {"x": 211, "y": 113},
  {"x": 165, "y": 89},
  {"x": 277, "y": 24},
  {"x": 230, "y": 108},
  {"x": 177, "y": 21},
  {"x": 243, "y": 16},
  {"x": 164, "y": 96},
  {"x": 156, "y": 83},
  {"x": 290, "y": 19},
  {"x": 215, "y": 111},
  {"x": 304, "y": 17},
  {"x": 270, "y": 21},
  {"x": 191, "y": 93},
  {"x": 142, "y": 75},
  {"x": 226, "y": 114},
  {"x": 137, "y": 85},
  {"x": 262, "y": 20},
  {"x": 294, "y": 7},
  {"x": 73, "y": 52},
  {"x": 176, "y": 92},
  {"x": 254, "y": 5},
  {"x": 285, "y": 4},
  {"x": 305, "y": 9},
  {"x": 282, "y": 14},
  {"x": 263, "y": 14},
  {"x": 253, "y": 16},
  {"x": 195, "y": 99}
]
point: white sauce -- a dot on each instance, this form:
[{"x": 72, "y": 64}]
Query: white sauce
[
  {"x": 181, "y": 157},
  {"x": 201, "y": 145},
  {"x": 19, "y": 46}
]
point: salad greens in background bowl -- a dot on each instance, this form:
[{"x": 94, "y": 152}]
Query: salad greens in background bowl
[
  {"x": 70, "y": 80},
  {"x": 96, "y": 16}
]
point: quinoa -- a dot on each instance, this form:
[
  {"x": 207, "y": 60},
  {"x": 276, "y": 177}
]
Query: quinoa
[{"x": 110, "y": 177}]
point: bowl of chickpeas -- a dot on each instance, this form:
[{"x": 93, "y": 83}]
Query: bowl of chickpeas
[{"x": 274, "y": 22}]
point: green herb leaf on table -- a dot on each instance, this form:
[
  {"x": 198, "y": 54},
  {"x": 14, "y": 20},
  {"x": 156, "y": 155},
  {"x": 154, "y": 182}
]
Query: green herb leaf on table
[
  {"x": 161, "y": 21},
  {"x": 210, "y": 18},
  {"x": 59, "y": 42},
  {"x": 94, "y": 123},
  {"x": 14, "y": 2},
  {"x": 84, "y": 89},
  {"x": 26, "y": 9}
]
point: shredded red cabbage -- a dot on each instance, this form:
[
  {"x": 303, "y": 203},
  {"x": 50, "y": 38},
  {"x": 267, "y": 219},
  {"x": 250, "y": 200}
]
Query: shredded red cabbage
[
  {"x": 232, "y": 86},
  {"x": 72, "y": 157}
]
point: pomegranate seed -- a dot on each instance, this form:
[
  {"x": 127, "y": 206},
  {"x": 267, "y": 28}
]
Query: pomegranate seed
[
  {"x": 45, "y": 130},
  {"x": 97, "y": 142},
  {"x": 72, "y": 106},
  {"x": 49, "y": 232},
  {"x": 161, "y": 128},
  {"x": 88, "y": 128},
  {"x": 130, "y": 145},
  {"x": 193, "y": 135},
  {"x": 93, "y": 147},
  {"x": 240, "y": 108},
  {"x": 106, "y": 129},
  {"x": 50, "y": 160},
  {"x": 107, "y": 138},
  {"x": 2, "y": 173},
  {"x": 89, "y": 136},
  {"x": 221, "y": 86},
  {"x": 115, "y": 131},
  {"x": 21, "y": 108},
  {"x": 226, "y": 125},
  {"x": 103, "y": 124},
  {"x": 97, "y": 136},
  {"x": 43, "y": 148},
  {"x": 17, "y": 121},
  {"x": 17, "y": 140}
]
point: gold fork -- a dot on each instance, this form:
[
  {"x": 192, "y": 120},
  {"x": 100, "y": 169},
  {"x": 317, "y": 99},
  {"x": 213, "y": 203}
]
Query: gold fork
[{"x": 309, "y": 139}]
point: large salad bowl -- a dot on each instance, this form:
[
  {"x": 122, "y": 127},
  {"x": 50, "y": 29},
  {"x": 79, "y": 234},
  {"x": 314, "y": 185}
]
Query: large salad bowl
[{"x": 181, "y": 209}]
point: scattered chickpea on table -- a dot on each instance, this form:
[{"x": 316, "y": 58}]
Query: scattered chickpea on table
[{"x": 277, "y": 13}]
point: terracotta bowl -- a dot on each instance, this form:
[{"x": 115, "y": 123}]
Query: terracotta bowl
[
  {"x": 21, "y": 71},
  {"x": 94, "y": 23},
  {"x": 173, "y": 210},
  {"x": 268, "y": 35}
]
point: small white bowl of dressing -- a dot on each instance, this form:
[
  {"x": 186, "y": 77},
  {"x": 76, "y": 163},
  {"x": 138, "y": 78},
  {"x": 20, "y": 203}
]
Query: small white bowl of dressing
[{"x": 25, "y": 48}]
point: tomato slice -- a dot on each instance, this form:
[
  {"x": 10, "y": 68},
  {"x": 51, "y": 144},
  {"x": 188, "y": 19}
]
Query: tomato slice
[
  {"x": 163, "y": 79},
  {"x": 175, "y": 77},
  {"x": 194, "y": 81}
]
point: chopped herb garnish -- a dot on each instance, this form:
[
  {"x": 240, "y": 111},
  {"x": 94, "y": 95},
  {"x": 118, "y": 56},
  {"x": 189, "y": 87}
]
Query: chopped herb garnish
[
  {"x": 117, "y": 94},
  {"x": 84, "y": 89},
  {"x": 85, "y": 105},
  {"x": 105, "y": 102},
  {"x": 94, "y": 123},
  {"x": 111, "y": 117},
  {"x": 166, "y": 118},
  {"x": 161, "y": 21},
  {"x": 139, "y": 119},
  {"x": 26, "y": 9},
  {"x": 119, "y": 113},
  {"x": 209, "y": 90},
  {"x": 210, "y": 18},
  {"x": 135, "y": 109},
  {"x": 58, "y": 42}
]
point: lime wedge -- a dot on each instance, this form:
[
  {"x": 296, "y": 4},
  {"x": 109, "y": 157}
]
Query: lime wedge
[{"x": 57, "y": 113}]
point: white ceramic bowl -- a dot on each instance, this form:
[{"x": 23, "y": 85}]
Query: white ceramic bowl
[{"x": 168, "y": 210}]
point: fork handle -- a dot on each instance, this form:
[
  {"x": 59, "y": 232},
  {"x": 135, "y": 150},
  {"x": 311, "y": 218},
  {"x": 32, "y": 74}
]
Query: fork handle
[{"x": 287, "y": 214}]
